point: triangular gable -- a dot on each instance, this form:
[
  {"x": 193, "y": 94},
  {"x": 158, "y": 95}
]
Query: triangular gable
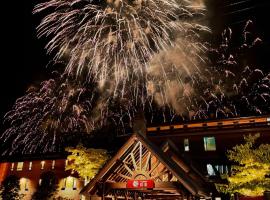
[{"x": 140, "y": 159}]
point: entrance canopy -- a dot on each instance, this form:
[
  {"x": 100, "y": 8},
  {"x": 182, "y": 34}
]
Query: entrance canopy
[{"x": 141, "y": 170}]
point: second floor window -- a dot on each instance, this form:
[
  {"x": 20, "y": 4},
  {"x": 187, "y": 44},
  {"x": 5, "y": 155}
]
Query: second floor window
[
  {"x": 30, "y": 165},
  {"x": 209, "y": 143},
  {"x": 53, "y": 164},
  {"x": 20, "y": 166},
  {"x": 186, "y": 144},
  {"x": 210, "y": 170},
  {"x": 42, "y": 164},
  {"x": 12, "y": 167}
]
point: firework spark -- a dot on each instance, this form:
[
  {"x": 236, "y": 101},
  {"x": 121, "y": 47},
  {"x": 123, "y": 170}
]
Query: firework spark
[
  {"x": 56, "y": 106},
  {"x": 61, "y": 107},
  {"x": 112, "y": 40},
  {"x": 236, "y": 86}
]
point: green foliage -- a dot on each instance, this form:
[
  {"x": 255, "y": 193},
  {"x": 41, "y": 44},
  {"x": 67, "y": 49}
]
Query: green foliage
[
  {"x": 250, "y": 177},
  {"x": 87, "y": 162},
  {"x": 47, "y": 188},
  {"x": 10, "y": 188}
]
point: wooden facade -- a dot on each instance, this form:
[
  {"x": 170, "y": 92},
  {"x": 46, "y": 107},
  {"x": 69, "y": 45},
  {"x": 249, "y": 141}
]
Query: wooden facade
[{"x": 140, "y": 159}]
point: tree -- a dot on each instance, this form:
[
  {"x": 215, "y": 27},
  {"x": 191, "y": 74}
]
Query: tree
[
  {"x": 87, "y": 162},
  {"x": 47, "y": 187},
  {"x": 10, "y": 188},
  {"x": 251, "y": 175}
]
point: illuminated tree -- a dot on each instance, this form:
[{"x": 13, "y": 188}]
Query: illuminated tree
[
  {"x": 250, "y": 177},
  {"x": 86, "y": 162},
  {"x": 10, "y": 188}
]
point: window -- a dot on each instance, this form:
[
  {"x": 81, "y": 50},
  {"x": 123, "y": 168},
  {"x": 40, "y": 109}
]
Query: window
[
  {"x": 82, "y": 197},
  {"x": 186, "y": 144},
  {"x": 66, "y": 163},
  {"x": 42, "y": 164},
  {"x": 222, "y": 169},
  {"x": 26, "y": 185},
  {"x": 53, "y": 164},
  {"x": 219, "y": 168},
  {"x": 40, "y": 181},
  {"x": 20, "y": 166},
  {"x": 210, "y": 170},
  {"x": 12, "y": 167},
  {"x": 209, "y": 143},
  {"x": 74, "y": 183},
  {"x": 30, "y": 165},
  {"x": 86, "y": 181}
]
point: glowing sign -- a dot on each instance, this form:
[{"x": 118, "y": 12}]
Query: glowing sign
[{"x": 140, "y": 184}]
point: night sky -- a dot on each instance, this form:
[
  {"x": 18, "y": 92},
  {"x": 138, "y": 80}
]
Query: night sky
[{"x": 25, "y": 59}]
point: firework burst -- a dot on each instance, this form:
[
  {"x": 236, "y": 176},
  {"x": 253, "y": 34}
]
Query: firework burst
[
  {"x": 63, "y": 107},
  {"x": 112, "y": 40},
  {"x": 56, "y": 106}
]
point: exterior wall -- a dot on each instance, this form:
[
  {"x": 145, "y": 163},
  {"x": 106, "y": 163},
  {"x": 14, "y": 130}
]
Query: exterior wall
[
  {"x": 199, "y": 157},
  {"x": 227, "y": 134},
  {"x": 30, "y": 177}
]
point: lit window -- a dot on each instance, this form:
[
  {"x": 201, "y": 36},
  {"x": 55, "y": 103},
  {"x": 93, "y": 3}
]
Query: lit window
[
  {"x": 30, "y": 165},
  {"x": 222, "y": 169},
  {"x": 210, "y": 170},
  {"x": 209, "y": 143},
  {"x": 186, "y": 144},
  {"x": 20, "y": 166},
  {"x": 69, "y": 182},
  {"x": 226, "y": 169},
  {"x": 86, "y": 181},
  {"x": 12, "y": 167},
  {"x": 53, "y": 164},
  {"x": 74, "y": 183},
  {"x": 42, "y": 164},
  {"x": 26, "y": 185},
  {"x": 217, "y": 198},
  {"x": 66, "y": 163},
  {"x": 82, "y": 197}
]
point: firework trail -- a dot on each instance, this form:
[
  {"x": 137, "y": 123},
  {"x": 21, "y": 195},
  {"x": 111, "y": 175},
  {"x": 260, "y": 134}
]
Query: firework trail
[
  {"x": 59, "y": 108},
  {"x": 230, "y": 86},
  {"x": 59, "y": 105},
  {"x": 236, "y": 85},
  {"x": 113, "y": 41}
]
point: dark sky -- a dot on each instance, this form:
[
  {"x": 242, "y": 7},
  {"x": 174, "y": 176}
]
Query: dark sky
[{"x": 25, "y": 59}]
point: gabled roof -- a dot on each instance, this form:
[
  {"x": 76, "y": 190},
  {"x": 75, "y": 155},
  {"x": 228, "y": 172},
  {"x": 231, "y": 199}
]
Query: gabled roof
[{"x": 113, "y": 170}]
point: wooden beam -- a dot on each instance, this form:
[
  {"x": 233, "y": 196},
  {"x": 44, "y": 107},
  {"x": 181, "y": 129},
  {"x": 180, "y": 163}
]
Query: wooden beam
[
  {"x": 147, "y": 161},
  {"x": 124, "y": 176}
]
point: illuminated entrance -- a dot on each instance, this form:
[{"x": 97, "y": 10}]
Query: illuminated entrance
[{"x": 141, "y": 170}]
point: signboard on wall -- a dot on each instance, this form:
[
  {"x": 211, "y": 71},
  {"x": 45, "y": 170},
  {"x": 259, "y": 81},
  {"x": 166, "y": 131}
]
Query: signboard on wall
[{"x": 140, "y": 184}]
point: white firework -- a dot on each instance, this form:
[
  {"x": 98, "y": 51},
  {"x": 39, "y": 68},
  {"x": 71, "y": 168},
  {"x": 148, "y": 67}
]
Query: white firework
[{"x": 114, "y": 40}]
